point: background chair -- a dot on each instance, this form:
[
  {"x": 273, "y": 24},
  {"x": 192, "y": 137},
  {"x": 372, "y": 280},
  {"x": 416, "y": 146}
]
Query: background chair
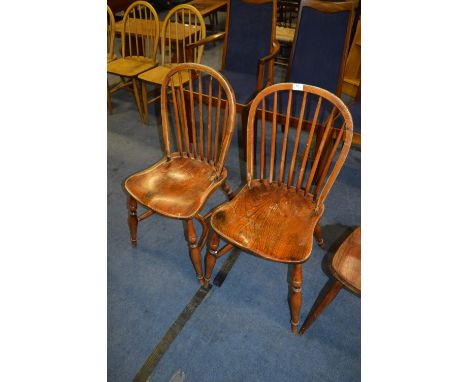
[
  {"x": 110, "y": 49},
  {"x": 321, "y": 42},
  {"x": 275, "y": 215},
  {"x": 249, "y": 49},
  {"x": 346, "y": 269},
  {"x": 139, "y": 38},
  {"x": 182, "y": 26},
  {"x": 285, "y": 28},
  {"x": 196, "y": 144}
]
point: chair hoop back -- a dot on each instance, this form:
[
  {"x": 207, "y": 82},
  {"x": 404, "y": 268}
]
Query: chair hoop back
[
  {"x": 204, "y": 111},
  {"x": 321, "y": 43},
  {"x": 110, "y": 33},
  {"x": 326, "y": 142},
  {"x": 140, "y": 36},
  {"x": 182, "y": 26}
]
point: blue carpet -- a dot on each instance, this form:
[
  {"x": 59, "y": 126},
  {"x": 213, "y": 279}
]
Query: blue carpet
[{"x": 241, "y": 331}]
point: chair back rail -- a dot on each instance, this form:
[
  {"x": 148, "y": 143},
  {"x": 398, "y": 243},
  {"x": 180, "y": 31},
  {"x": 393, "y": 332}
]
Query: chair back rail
[
  {"x": 183, "y": 25},
  {"x": 203, "y": 118},
  {"x": 140, "y": 36},
  {"x": 110, "y": 33},
  {"x": 307, "y": 159},
  {"x": 321, "y": 44}
]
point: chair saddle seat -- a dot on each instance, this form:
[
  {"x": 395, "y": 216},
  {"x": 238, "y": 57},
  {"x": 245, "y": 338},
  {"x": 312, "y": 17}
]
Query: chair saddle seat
[
  {"x": 346, "y": 262},
  {"x": 176, "y": 188},
  {"x": 270, "y": 221},
  {"x": 129, "y": 66}
]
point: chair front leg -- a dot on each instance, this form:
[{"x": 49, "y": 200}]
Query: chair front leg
[
  {"x": 132, "y": 219},
  {"x": 144, "y": 96},
  {"x": 194, "y": 250},
  {"x": 109, "y": 100},
  {"x": 137, "y": 97},
  {"x": 296, "y": 297},
  {"x": 326, "y": 296}
]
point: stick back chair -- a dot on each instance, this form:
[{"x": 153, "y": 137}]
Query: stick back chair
[
  {"x": 110, "y": 49},
  {"x": 140, "y": 38},
  {"x": 249, "y": 49},
  {"x": 346, "y": 272},
  {"x": 276, "y": 215},
  {"x": 182, "y": 26},
  {"x": 196, "y": 144}
]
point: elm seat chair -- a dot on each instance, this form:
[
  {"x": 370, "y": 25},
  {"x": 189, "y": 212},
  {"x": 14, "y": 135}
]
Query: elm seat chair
[
  {"x": 110, "y": 49},
  {"x": 196, "y": 144},
  {"x": 275, "y": 215},
  {"x": 346, "y": 270},
  {"x": 182, "y": 26},
  {"x": 140, "y": 38},
  {"x": 249, "y": 49}
]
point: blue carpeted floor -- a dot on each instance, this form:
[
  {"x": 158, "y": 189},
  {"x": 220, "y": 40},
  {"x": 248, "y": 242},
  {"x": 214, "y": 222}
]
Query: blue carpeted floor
[{"x": 241, "y": 331}]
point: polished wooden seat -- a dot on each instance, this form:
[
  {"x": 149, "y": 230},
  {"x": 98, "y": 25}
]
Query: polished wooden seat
[
  {"x": 139, "y": 48},
  {"x": 256, "y": 218},
  {"x": 177, "y": 188},
  {"x": 277, "y": 213},
  {"x": 346, "y": 270},
  {"x": 196, "y": 142},
  {"x": 346, "y": 263}
]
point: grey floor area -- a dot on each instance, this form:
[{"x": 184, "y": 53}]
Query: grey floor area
[{"x": 241, "y": 330}]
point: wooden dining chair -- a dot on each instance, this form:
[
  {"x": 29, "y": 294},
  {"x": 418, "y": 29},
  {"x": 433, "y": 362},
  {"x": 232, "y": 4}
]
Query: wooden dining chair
[
  {"x": 110, "y": 49},
  {"x": 182, "y": 26},
  {"x": 346, "y": 272},
  {"x": 196, "y": 144},
  {"x": 276, "y": 215},
  {"x": 249, "y": 49},
  {"x": 140, "y": 37}
]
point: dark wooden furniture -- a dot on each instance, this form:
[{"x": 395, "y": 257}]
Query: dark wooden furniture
[
  {"x": 276, "y": 215},
  {"x": 210, "y": 9},
  {"x": 183, "y": 25},
  {"x": 138, "y": 48},
  {"x": 249, "y": 49},
  {"x": 346, "y": 270},
  {"x": 193, "y": 168}
]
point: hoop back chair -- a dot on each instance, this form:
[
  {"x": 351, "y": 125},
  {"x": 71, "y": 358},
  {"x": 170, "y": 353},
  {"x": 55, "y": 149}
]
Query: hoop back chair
[
  {"x": 183, "y": 25},
  {"x": 196, "y": 144},
  {"x": 140, "y": 38},
  {"x": 110, "y": 34},
  {"x": 275, "y": 215},
  {"x": 346, "y": 272},
  {"x": 110, "y": 49},
  {"x": 249, "y": 49}
]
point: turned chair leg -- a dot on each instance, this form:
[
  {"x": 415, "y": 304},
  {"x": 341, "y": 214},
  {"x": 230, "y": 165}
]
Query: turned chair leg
[
  {"x": 227, "y": 190},
  {"x": 109, "y": 100},
  {"x": 132, "y": 220},
  {"x": 318, "y": 235},
  {"x": 296, "y": 297},
  {"x": 137, "y": 97},
  {"x": 326, "y": 296},
  {"x": 144, "y": 96},
  {"x": 194, "y": 250},
  {"x": 210, "y": 258}
]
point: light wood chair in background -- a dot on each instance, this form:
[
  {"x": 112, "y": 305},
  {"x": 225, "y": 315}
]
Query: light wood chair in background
[
  {"x": 110, "y": 49},
  {"x": 140, "y": 38},
  {"x": 346, "y": 270},
  {"x": 275, "y": 215},
  {"x": 182, "y": 26},
  {"x": 193, "y": 166}
]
